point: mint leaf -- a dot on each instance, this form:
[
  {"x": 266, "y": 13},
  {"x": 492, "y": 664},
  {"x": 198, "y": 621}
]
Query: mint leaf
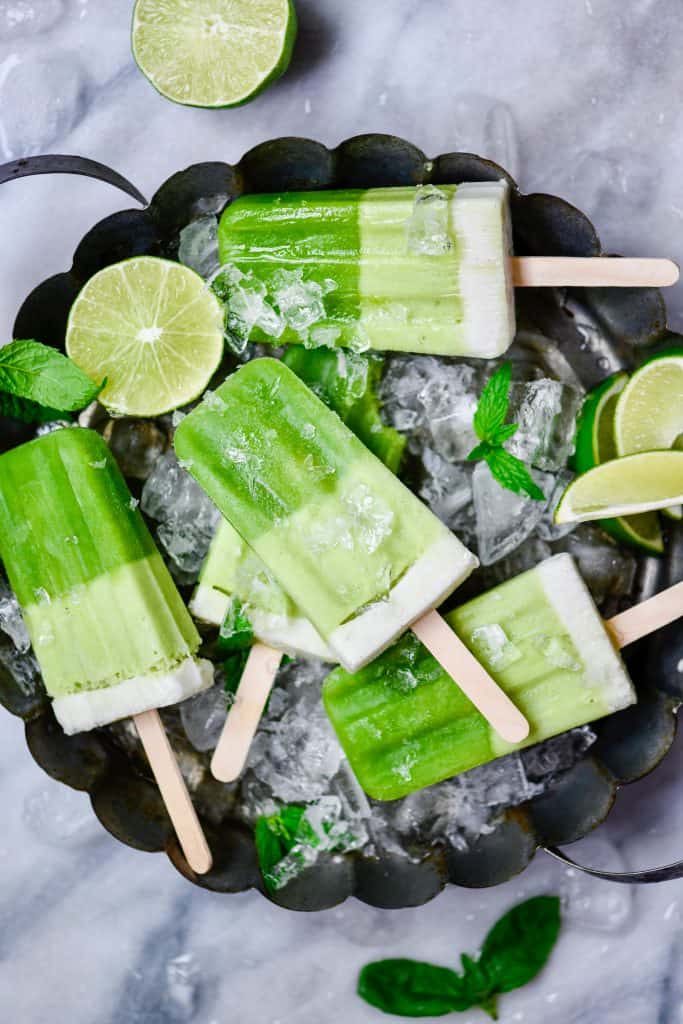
[
  {"x": 27, "y": 411},
  {"x": 411, "y": 988},
  {"x": 275, "y": 835},
  {"x": 511, "y": 473},
  {"x": 504, "y": 433},
  {"x": 493, "y": 404},
  {"x": 519, "y": 944},
  {"x": 481, "y": 451},
  {"x": 45, "y": 376},
  {"x": 233, "y": 667},
  {"x": 236, "y": 630}
]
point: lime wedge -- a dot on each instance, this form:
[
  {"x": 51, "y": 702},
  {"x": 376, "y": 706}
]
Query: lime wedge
[
  {"x": 627, "y": 486},
  {"x": 595, "y": 445},
  {"x": 212, "y": 53},
  {"x": 649, "y": 414},
  {"x": 153, "y": 329}
]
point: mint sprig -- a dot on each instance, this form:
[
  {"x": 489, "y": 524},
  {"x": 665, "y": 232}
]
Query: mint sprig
[
  {"x": 492, "y": 431},
  {"x": 38, "y": 383},
  {"x": 513, "y": 953}
]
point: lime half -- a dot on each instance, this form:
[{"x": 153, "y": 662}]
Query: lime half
[
  {"x": 595, "y": 445},
  {"x": 628, "y": 486},
  {"x": 213, "y": 53},
  {"x": 153, "y": 329},
  {"x": 649, "y": 413}
]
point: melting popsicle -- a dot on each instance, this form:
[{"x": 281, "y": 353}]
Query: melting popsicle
[
  {"x": 108, "y": 626},
  {"x": 402, "y": 725},
  {"x": 425, "y": 269},
  {"x": 359, "y": 555}
]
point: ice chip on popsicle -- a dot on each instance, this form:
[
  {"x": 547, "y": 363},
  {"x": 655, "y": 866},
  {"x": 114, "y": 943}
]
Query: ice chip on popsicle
[
  {"x": 358, "y": 554},
  {"x": 420, "y": 269},
  {"x": 109, "y": 629},
  {"x": 404, "y": 726},
  {"x": 232, "y": 570}
]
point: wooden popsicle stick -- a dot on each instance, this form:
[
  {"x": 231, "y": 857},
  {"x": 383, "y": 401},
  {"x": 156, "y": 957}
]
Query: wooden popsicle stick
[
  {"x": 245, "y": 714},
  {"x": 646, "y": 617},
  {"x": 592, "y": 271},
  {"x": 472, "y": 678},
  {"x": 174, "y": 791}
]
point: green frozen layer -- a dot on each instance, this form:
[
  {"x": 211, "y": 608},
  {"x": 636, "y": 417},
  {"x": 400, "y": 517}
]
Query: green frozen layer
[
  {"x": 98, "y": 601},
  {"x": 403, "y": 723},
  {"x": 417, "y": 269},
  {"x": 335, "y": 527}
]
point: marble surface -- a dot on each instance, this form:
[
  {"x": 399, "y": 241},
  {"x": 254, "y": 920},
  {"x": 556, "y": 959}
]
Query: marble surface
[{"x": 577, "y": 99}]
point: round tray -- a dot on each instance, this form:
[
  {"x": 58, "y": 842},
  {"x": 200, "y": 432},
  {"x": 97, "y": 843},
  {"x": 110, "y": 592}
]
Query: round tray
[{"x": 625, "y": 322}]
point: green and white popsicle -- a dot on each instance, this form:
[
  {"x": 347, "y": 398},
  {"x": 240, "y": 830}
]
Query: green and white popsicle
[
  {"x": 356, "y": 552},
  {"x": 404, "y": 726},
  {"x": 417, "y": 269},
  {"x": 108, "y": 626}
]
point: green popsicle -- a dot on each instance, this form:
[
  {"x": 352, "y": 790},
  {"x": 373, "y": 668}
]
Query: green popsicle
[
  {"x": 404, "y": 726},
  {"x": 418, "y": 269}
]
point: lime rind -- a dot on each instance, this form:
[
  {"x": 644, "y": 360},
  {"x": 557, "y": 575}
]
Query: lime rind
[
  {"x": 213, "y": 54},
  {"x": 594, "y": 445},
  {"x": 153, "y": 329},
  {"x": 646, "y": 481}
]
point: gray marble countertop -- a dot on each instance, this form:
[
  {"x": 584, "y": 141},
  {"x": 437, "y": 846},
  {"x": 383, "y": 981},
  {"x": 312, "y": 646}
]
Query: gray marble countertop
[{"x": 576, "y": 99}]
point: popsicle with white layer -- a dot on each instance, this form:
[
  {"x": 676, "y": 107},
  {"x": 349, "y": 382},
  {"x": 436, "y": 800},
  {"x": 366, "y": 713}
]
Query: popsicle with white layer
[
  {"x": 109, "y": 629},
  {"x": 424, "y": 269},
  {"x": 359, "y": 555},
  {"x": 402, "y": 724}
]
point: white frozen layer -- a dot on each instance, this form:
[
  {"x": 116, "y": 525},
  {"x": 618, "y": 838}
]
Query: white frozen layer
[
  {"x": 481, "y": 223},
  {"x": 294, "y": 635},
  {"x": 572, "y": 602},
  {"x": 428, "y": 582},
  {"x": 89, "y": 709}
]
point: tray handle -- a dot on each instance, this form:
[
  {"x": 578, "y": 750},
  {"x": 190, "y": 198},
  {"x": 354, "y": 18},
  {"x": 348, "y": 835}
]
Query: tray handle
[{"x": 53, "y": 163}]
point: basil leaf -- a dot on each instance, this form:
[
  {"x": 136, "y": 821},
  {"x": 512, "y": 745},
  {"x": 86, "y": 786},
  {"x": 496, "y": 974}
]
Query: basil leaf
[
  {"x": 511, "y": 473},
  {"x": 27, "y": 411},
  {"x": 520, "y": 943},
  {"x": 42, "y": 374},
  {"x": 411, "y": 988},
  {"x": 493, "y": 404},
  {"x": 348, "y": 383}
]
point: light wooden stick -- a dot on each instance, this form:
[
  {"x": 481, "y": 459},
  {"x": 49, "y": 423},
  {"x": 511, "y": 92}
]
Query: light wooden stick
[
  {"x": 174, "y": 791},
  {"x": 646, "y": 617},
  {"x": 598, "y": 271},
  {"x": 472, "y": 678},
  {"x": 245, "y": 714}
]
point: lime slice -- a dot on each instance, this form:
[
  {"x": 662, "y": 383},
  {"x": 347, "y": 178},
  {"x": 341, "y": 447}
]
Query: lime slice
[
  {"x": 628, "y": 486},
  {"x": 212, "y": 53},
  {"x": 595, "y": 445},
  {"x": 649, "y": 414},
  {"x": 153, "y": 329}
]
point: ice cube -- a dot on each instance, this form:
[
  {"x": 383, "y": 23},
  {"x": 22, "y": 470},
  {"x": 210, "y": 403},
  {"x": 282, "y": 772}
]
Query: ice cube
[
  {"x": 504, "y": 519},
  {"x": 300, "y": 302},
  {"x": 23, "y": 668},
  {"x": 545, "y": 411},
  {"x": 186, "y": 517},
  {"x": 40, "y": 101},
  {"x": 136, "y": 445},
  {"x": 608, "y": 569},
  {"x": 198, "y": 248},
  {"x": 246, "y": 301},
  {"x": 493, "y": 645},
  {"x": 547, "y": 529},
  {"x": 11, "y": 621},
  {"x": 500, "y": 783},
  {"x": 526, "y": 556},
  {"x": 447, "y": 489},
  {"x": 203, "y": 716},
  {"x": 295, "y": 753},
  {"x": 545, "y": 760},
  {"x": 427, "y": 227},
  {"x": 49, "y": 428},
  {"x": 557, "y": 652},
  {"x": 28, "y": 17},
  {"x": 486, "y": 126}
]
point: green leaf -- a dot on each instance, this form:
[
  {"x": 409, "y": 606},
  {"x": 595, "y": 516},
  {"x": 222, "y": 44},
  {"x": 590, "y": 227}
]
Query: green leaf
[
  {"x": 275, "y": 835},
  {"x": 43, "y": 375},
  {"x": 511, "y": 473},
  {"x": 26, "y": 411},
  {"x": 504, "y": 433},
  {"x": 480, "y": 452},
  {"x": 233, "y": 667},
  {"x": 348, "y": 383},
  {"x": 236, "y": 631},
  {"x": 493, "y": 404},
  {"x": 519, "y": 944},
  {"x": 411, "y": 988}
]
